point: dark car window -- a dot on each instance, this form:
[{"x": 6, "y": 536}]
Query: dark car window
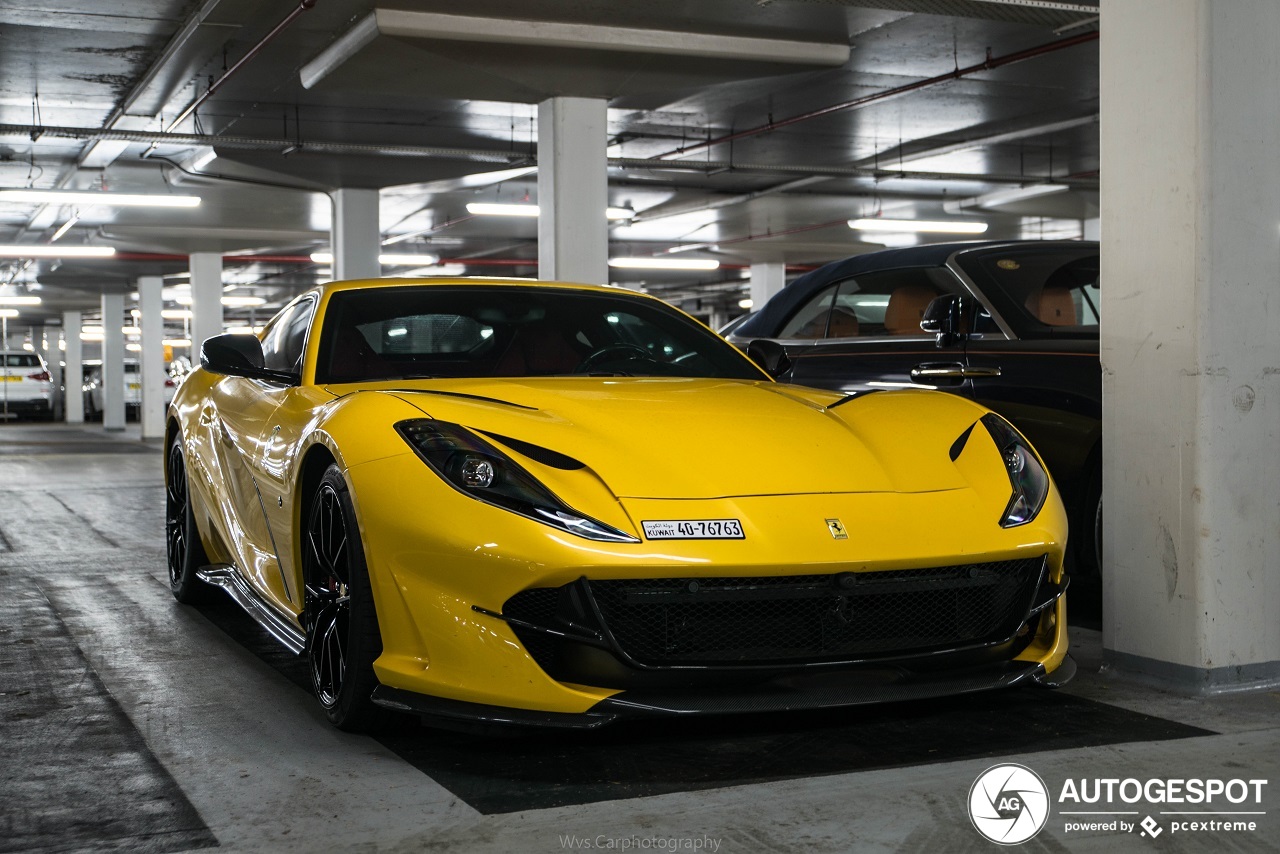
[
  {"x": 882, "y": 303},
  {"x": 1041, "y": 289},
  {"x": 20, "y": 360},
  {"x": 286, "y": 337},
  {"x": 400, "y": 332}
]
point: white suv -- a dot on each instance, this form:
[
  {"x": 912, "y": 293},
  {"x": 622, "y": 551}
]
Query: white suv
[
  {"x": 25, "y": 387},
  {"x": 132, "y": 390}
]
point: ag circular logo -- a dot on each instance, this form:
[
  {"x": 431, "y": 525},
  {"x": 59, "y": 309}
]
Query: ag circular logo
[{"x": 1008, "y": 804}]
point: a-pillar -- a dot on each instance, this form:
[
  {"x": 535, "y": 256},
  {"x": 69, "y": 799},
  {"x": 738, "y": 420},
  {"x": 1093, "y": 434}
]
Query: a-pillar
[
  {"x": 113, "y": 362},
  {"x": 767, "y": 278},
  {"x": 573, "y": 191},
  {"x": 73, "y": 373},
  {"x": 206, "y": 299},
  {"x": 356, "y": 236},
  {"x": 152, "y": 372},
  {"x": 1191, "y": 341}
]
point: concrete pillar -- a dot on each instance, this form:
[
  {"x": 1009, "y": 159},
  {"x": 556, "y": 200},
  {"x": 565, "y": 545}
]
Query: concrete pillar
[
  {"x": 573, "y": 191},
  {"x": 152, "y": 373},
  {"x": 113, "y": 362},
  {"x": 206, "y": 299},
  {"x": 1191, "y": 341},
  {"x": 767, "y": 278},
  {"x": 73, "y": 372},
  {"x": 356, "y": 238}
]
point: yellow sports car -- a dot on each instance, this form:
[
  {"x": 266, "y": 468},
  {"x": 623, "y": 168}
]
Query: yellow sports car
[{"x": 559, "y": 505}]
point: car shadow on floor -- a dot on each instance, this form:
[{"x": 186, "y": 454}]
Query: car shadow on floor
[{"x": 540, "y": 770}]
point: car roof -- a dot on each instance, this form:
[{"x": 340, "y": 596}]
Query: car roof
[
  {"x": 470, "y": 281},
  {"x": 803, "y": 288}
]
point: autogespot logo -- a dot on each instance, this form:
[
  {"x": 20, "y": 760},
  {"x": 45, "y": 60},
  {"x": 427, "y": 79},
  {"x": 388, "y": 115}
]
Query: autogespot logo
[{"x": 1008, "y": 804}]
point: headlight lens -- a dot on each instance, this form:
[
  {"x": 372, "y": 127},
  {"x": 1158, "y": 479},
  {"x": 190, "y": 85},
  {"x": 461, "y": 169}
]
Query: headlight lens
[
  {"x": 1027, "y": 476},
  {"x": 479, "y": 470}
]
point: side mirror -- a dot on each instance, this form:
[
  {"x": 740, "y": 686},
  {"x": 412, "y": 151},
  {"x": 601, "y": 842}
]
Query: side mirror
[
  {"x": 240, "y": 356},
  {"x": 944, "y": 317},
  {"x": 769, "y": 355}
]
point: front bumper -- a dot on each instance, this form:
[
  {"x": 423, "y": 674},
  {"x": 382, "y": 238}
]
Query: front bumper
[{"x": 444, "y": 568}]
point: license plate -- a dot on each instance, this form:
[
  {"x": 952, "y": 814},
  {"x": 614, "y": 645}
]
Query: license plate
[
  {"x": 694, "y": 529},
  {"x": 134, "y": 386},
  {"x": 9, "y": 379}
]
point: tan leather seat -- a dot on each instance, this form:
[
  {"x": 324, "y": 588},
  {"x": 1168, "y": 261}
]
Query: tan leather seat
[
  {"x": 906, "y": 309},
  {"x": 1053, "y": 306}
]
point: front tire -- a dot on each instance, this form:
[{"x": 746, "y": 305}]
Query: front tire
[
  {"x": 1089, "y": 548},
  {"x": 182, "y": 537},
  {"x": 343, "y": 639}
]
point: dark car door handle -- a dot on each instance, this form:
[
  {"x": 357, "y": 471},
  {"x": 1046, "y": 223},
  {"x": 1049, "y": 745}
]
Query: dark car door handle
[{"x": 949, "y": 370}]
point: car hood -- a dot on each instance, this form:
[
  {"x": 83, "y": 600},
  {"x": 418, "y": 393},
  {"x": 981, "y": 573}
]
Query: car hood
[{"x": 705, "y": 438}]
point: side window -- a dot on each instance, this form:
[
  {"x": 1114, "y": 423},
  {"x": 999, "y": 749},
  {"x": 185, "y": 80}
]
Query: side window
[
  {"x": 286, "y": 338},
  {"x": 811, "y": 320},
  {"x": 882, "y": 303}
]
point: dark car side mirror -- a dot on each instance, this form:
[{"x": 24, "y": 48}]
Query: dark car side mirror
[
  {"x": 769, "y": 355},
  {"x": 944, "y": 317},
  {"x": 240, "y": 356}
]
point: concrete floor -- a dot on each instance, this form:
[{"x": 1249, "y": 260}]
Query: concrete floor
[{"x": 130, "y": 723}]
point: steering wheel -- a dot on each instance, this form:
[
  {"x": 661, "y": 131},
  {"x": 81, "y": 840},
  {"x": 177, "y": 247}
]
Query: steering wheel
[{"x": 618, "y": 351}]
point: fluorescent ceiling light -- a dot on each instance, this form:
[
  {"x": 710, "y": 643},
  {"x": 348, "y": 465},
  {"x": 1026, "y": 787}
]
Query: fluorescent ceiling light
[
  {"x": 665, "y": 263},
  {"x": 391, "y": 260},
  {"x": 1020, "y": 194},
  {"x": 133, "y": 348},
  {"x": 408, "y": 260},
  {"x": 71, "y": 197},
  {"x": 243, "y": 330},
  {"x": 494, "y": 209},
  {"x": 64, "y": 228},
  {"x": 746, "y": 303},
  {"x": 8, "y": 312},
  {"x": 19, "y": 251},
  {"x": 19, "y": 300},
  {"x": 921, "y": 225},
  {"x": 204, "y": 160},
  {"x": 177, "y": 342},
  {"x": 1004, "y": 197},
  {"x": 176, "y": 313}
]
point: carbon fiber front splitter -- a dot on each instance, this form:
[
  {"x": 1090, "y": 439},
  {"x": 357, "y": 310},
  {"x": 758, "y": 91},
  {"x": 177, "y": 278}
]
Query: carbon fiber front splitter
[{"x": 809, "y": 691}]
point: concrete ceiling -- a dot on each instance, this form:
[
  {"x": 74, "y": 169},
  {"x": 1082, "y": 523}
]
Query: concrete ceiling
[{"x": 411, "y": 97}]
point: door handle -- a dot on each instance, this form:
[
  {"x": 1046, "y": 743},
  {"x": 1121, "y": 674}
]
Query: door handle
[{"x": 949, "y": 370}]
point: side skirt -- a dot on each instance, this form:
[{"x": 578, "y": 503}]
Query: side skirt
[{"x": 227, "y": 577}]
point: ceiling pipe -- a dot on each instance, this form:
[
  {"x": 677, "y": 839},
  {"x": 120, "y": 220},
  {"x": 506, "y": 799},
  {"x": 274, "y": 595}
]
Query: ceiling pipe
[
  {"x": 303, "y": 6},
  {"x": 507, "y": 158},
  {"x": 988, "y": 64}
]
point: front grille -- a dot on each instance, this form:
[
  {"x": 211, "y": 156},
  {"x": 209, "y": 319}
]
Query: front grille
[{"x": 788, "y": 619}]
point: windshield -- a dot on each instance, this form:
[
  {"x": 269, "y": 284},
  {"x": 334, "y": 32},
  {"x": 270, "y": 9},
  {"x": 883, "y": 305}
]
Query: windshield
[
  {"x": 440, "y": 331},
  {"x": 1040, "y": 287}
]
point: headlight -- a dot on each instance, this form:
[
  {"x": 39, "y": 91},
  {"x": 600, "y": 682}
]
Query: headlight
[
  {"x": 479, "y": 470},
  {"x": 1027, "y": 476}
]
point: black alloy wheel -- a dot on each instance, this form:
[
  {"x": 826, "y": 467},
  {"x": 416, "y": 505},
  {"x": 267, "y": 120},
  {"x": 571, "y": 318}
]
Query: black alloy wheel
[
  {"x": 342, "y": 625},
  {"x": 182, "y": 538}
]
